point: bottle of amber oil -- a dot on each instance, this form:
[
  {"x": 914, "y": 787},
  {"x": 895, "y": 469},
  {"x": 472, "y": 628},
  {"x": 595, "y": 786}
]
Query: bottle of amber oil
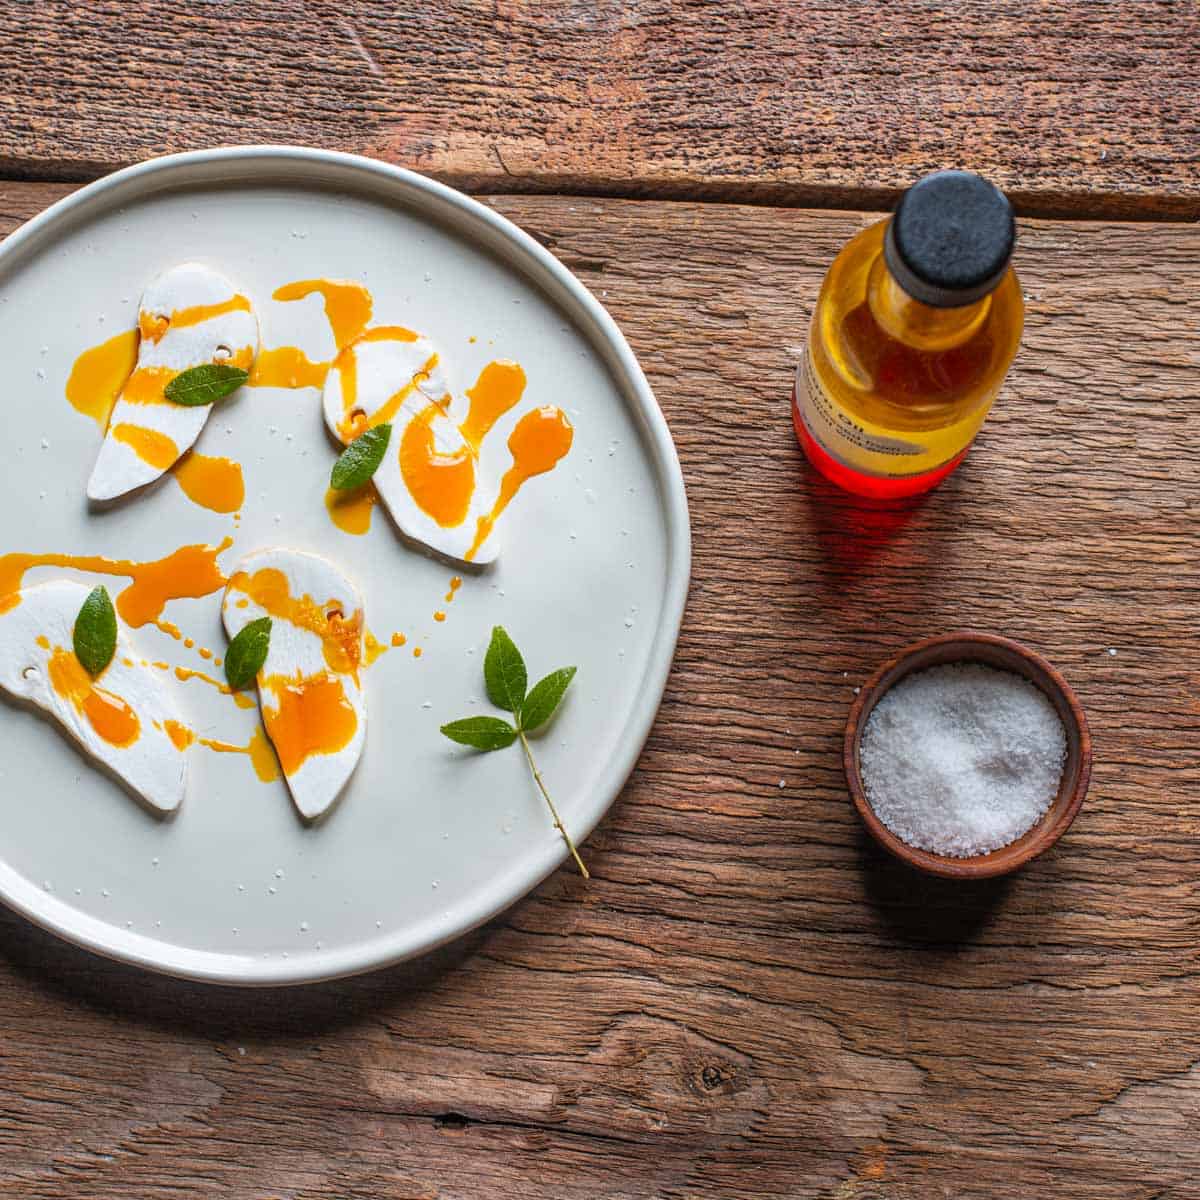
[{"x": 914, "y": 329}]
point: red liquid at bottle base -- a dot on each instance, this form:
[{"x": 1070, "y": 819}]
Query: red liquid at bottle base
[{"x": 875, "y": 487}]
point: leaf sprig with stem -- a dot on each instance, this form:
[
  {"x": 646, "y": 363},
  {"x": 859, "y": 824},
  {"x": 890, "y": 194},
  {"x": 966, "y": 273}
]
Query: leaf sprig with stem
[{"x": 507, "y": 682}]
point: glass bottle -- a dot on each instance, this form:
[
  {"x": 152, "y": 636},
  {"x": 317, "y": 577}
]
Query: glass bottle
[{"x": 915, "y": 327}]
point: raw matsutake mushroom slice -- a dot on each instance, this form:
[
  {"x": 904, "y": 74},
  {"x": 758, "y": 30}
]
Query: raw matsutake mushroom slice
[
  {"x": 189, "y": 316},
  {"x": 309, "y": 688},
  {"x": 442, "y": 481},
  {"x": 122, "y": 719}
]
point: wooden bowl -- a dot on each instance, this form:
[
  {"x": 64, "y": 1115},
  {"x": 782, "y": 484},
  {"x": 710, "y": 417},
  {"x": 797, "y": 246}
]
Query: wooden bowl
[{"x": 1008, "y": 656}]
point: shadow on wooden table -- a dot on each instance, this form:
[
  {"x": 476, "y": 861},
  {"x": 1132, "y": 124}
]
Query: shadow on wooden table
[
  {"x": 854, "y": 532},
  {"x": 78, "y": 977},
  {"x": 925, "y": 909}
]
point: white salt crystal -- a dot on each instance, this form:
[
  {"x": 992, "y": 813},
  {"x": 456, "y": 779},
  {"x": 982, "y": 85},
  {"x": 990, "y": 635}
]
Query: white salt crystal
[{"x": 962, "y": 759}]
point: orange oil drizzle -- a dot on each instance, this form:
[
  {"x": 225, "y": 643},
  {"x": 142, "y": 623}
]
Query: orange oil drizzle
[
  {"x": 312, "y": 716},
  {"x": 341, "y": 636},
  {"x": 347, "y": 305},
  {"x": 417, "y": 652},
  {"x": 181, "y": 736},
  {"x": 99, "y": 373},
  {"x": 287, "y": 367},
  {"x": 258, "y": 749},
  {"x": 439, "y": 615},
  {"x": 170, "y": 629},
  {"x": 499, "y": 388},
  {"x": 455, "y": 584},
  {"x": 213, "y": 483},
  {"x": 183, "y": 674},
  {"x": 351, "y": 511},
  {"x": 153, "y": 325},
  {"x": 541, "y": 438},
  {"x": 191, "y": 572},
  {"x": 152, "y": 447},
  {"x": 441, "y": 484},
  {"x": 375, "y": 648},
  {"x": 109, "y": 715},
  {"x": 398, "y": 640}
]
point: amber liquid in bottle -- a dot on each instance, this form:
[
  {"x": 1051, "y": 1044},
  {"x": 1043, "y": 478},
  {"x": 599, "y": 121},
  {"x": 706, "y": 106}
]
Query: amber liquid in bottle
[{"x": 892, "y": 391}]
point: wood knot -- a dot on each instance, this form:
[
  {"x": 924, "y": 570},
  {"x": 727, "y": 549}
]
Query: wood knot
[{"x": 718, "y": 1077}]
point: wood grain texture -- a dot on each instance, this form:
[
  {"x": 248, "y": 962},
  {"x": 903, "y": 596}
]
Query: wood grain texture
[
  {"x": 749, "y": 1000},
  {"x": 1079, "y": 107}
]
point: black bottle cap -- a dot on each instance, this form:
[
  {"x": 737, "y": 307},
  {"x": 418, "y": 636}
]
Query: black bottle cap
[{"x": 950, "y": 239}]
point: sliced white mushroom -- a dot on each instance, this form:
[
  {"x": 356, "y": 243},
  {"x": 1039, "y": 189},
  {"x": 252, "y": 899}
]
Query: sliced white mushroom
[
  {"x": 189, "y": 316},
  {"x": 309, "y": 688},
  {"x": 123, "y": 719},
  {"x": 434, "y": 481}
]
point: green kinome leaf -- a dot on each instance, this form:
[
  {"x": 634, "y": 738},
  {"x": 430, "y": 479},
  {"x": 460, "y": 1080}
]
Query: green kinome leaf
[
  {"x": 360, "y": 460},
  {"x": 96, "y": 632},
  {"x": 247, "y": 653},
  {"x": 204, "y": 384},
  {"x": 544, "y": 697},
  {"x": 484, "y": 733},
  {"x": 504, "y": 672}
]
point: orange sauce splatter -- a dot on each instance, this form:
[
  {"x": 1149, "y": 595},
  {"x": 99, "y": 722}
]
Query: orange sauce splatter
[
  {"x": 191, "y": 571},
  {"x": 99, "y": 373},
  {"x": 398, "y": 639},
  {"x": 189, "y": 643},
  {"x": 499, "y": 387},
  {"x": 541, "y": 438},
  {"x": 417, "y": 652},
  {"x": 286, "y": 367},
  {"x": 439, "y": 615},
  {"x": 154, "y": 325},
  {"x": 388, "y": 333},
  {"x": 455, "y": 584},
  {"x": 441, "y": 484},
  {"x": 341, "y": 636},
  {"x": 145, "y": 385},
  {"x": 181, "y": 736},
  {"x": 313, "y": 716},
  {"x": 204, "y": 652},
  {"x": 183, "y": 674},
  {"x": 262, "y": 756},
  {"x": 43, "y": 641},
  {"x": 375, "y": 648},
  {"x": 109, "y": 715},
  {"x": 347, "y": 305},
  {"x": 172, "y": 631},
  {"x": 351, "y": 511},
  {"x": 148, "y": 444},
  {"x": 213, "y": 483}
]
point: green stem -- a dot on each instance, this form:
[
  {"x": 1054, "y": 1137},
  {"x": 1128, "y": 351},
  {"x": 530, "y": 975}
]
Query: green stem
[{"x": 537, "y": 775}]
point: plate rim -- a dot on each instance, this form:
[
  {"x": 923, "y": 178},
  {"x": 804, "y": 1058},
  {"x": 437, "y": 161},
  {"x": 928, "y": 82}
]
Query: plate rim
[{"x": 540, "y": 268}]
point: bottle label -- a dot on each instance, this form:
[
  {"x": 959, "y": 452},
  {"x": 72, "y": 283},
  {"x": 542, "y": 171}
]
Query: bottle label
[{"x": 844, "y": 439}]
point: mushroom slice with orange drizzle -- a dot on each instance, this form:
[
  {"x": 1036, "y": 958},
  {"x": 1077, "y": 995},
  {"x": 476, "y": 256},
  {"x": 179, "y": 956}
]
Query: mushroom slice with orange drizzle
[
  {"x": 310, "y": 687},
  {"x": 441, "y": 479},
  {"x": 189, "y": 316},
  {"x": 121, "y": 718}
]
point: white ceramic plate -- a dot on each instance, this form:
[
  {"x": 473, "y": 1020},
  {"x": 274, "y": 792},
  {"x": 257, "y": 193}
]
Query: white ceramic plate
[{"x": 428, "y": 841}]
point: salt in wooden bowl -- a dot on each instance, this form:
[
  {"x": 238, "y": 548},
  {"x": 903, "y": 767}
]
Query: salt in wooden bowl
[{"x": 1006, "y": 655}]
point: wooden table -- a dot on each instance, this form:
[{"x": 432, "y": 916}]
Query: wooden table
[{"x": 748, "y": 1000}]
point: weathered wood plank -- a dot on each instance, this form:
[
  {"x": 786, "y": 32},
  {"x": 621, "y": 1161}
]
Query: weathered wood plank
[
  {"x": 749, "y": 1000},
  {"x": 1080, "y": 107}
]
